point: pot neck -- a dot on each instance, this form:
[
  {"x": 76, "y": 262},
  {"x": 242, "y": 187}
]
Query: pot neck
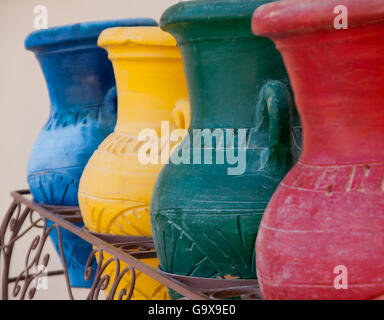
[
  {"x": 338, "y": 83},
  {"x": 76, "y": 77},
  {"x": 226, "y": 66},
  {"x": 148, "y": 90}
]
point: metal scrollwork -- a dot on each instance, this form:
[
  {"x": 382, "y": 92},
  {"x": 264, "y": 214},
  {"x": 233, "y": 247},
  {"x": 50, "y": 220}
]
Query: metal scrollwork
[
  {"x": 19, "y": 221},
  {"x": 25, "y": 218},
  {"x": 103, "y": 280}
]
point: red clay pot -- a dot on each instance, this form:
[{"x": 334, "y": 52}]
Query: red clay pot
[{"x": 329, "y": 210}]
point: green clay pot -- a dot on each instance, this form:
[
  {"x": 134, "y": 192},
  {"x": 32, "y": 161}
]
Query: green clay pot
[{"x": 204, "y": 219}]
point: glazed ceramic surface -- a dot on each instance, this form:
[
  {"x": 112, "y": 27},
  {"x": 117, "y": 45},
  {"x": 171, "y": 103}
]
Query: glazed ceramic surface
[
  {"x": 116, "y": 186},
  {"x": 324, "y": 226},
  {"x": 204, "y": 219},
  {"x": 82, "y": 92}
]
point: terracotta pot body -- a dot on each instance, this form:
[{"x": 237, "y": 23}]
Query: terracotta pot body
[
  {"x": 116, "y": 187},
  {"x": 205, "y": 217},
  {"x": 324, "y": 226},
  {"x": 82, "y": 92}
]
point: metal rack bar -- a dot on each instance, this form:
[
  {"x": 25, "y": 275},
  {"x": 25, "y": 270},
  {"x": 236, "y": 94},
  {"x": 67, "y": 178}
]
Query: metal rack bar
[{"x": 122, "y": 248}]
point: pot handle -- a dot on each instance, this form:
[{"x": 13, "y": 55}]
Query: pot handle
[
  {"x": 110, "y": 101},
  {"x": 181, "y": 114},
  {"x": 273, "y": 118}
]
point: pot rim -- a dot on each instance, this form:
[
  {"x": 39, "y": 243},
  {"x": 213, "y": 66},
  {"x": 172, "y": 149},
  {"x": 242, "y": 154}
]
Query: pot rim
[
  {"x": 79, "y": 31},
  {"x": 288, "y": 17},
  {"x": 147, "y": 36},
  {"x": 209, "y": 11}
]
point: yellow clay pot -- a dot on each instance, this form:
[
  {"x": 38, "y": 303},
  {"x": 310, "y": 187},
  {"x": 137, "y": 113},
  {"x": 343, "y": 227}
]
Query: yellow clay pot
[{"x": 115, "y": 188}]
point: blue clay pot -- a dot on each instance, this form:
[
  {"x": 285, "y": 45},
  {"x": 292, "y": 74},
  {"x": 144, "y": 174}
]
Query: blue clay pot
[{"x": 82, "y": 92}]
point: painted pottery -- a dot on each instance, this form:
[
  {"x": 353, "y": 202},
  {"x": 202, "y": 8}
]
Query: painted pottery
[
  {"x": 116, "y": 186},
  {"x": 322, "y": 235},
  {"x": 82, "y": 92},
  {"x": 205, "y": 214}
]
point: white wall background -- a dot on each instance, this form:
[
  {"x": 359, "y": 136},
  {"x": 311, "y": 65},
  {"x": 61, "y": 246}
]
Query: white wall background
[{"x": 24, "y": 102}]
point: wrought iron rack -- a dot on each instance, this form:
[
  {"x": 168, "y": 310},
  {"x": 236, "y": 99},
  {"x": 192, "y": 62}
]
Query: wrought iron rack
[{"x": 25, "y": 217}]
